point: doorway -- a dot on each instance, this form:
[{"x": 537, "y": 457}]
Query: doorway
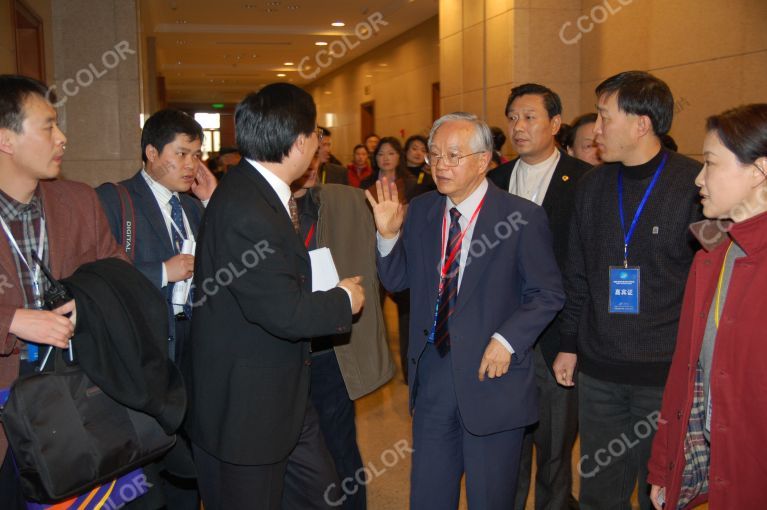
[
  {"x": 30, "y": 52},
  {"x": 367, "y": 120}
]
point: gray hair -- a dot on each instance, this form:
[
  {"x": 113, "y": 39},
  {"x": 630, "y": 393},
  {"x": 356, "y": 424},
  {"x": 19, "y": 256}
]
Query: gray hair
[{"x": 482, "y": 141}]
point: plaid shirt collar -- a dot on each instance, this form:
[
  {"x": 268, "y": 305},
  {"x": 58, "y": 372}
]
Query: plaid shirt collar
[{"x": 11, "y": 209}]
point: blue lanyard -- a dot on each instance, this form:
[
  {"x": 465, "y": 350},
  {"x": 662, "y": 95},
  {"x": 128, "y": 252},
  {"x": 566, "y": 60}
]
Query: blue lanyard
[{"x": 628, "y": 235}]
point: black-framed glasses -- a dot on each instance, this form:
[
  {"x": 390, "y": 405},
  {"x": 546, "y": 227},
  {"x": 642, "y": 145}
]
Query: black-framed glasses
[{"x": 432, "y": 158}]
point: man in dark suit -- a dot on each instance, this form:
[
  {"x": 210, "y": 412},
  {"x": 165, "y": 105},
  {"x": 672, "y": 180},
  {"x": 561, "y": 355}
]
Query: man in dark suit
[
  {"x": 61, "y": 220},
  {"x": 253, "y": 429},
  {"x": 331, "y": 170},
  {"x": 484, "y": 283},
  {"x": 547, "y": 176},
  {"x": 164, "y": 216}
]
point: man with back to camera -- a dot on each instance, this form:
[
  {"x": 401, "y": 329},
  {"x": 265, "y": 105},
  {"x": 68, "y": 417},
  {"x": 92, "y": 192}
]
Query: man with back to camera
[
  {"x": 547, "y": 176},
  {"x": 254, "y": 432},
  {"x": 628, "y": 257},
  {"x": 61, "y": 221},
  {"x": 164, "y": 216},
  {"x": 484, "y": 284}
]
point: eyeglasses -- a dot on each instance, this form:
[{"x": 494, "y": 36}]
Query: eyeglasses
[
  {"x": 432, "y": 158},
  {"x": 320, "y": 134}
]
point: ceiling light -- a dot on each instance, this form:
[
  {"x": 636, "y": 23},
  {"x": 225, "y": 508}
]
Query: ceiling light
[
  {"x": 320, "y": 43},
  {"x": 338, "y": 24},
  {"x": 293, "y": 7},
  {"x": 288, "y": 64},
  {"x": 281, "y": 75}
]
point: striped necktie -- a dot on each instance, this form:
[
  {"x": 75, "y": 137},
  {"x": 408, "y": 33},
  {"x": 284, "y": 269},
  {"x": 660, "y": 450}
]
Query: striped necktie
[{"x": 450, "y": 289}]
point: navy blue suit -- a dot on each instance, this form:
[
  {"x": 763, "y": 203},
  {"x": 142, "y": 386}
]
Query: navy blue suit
[
  {"x": 510, "y": 285},
  {"x": 152, "y": 243}
]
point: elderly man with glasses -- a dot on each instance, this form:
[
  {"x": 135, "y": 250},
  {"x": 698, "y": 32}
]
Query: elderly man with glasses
[{"x": 484, "y": 284}]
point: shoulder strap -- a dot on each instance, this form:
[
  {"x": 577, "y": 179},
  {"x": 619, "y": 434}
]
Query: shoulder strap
[{"x": 128, "y": 225}]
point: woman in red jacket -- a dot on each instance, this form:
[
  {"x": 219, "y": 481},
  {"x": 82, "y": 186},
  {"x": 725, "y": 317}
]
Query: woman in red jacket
[{"x": 710, "y": 443}]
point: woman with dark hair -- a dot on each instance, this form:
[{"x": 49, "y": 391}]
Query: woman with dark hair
[
  {"x": 578, "y": 139},
  {"x": 359, "y": 169},
  {"x": 416, "y": 148},
  {"x": 390, "y": 163},
  {"x": 499, "y": 138},
  {"x": 371, "y": 142},
  {"x": 710, "y": 440}
]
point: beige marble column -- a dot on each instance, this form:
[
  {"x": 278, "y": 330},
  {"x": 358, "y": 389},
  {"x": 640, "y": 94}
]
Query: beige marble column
[
  {"x": 489, "y": 46},
  {"x": 96, "y": 66}
]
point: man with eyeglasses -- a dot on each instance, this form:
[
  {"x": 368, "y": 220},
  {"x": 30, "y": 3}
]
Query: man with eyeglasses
[
  {"x": 255, "y": 434},
  {"x": 484, "y": 283}
]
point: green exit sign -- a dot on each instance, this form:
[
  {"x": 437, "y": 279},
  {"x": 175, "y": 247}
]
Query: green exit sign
[{"x": 218, "y": 106}]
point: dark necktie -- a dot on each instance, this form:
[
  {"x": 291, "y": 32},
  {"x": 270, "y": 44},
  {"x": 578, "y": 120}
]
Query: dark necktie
[
  {"x": 177, "y": 217},
  {"x": 293, "y": 208},
  {"x": 450, "y": 289}
]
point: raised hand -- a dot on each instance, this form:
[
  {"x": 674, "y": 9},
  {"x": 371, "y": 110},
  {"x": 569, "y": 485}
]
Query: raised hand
[
  {"x": 204, "y": 182},
  {"x": 388, "y": 212}
]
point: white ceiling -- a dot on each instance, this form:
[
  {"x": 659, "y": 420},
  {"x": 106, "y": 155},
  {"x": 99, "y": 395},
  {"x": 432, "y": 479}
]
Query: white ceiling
[{"x": 217, "y": 51}]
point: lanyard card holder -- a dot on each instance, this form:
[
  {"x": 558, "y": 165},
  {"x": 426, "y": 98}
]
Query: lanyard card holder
[{"x": 624, "y": 290}]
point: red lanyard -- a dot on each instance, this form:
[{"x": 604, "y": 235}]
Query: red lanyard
[
  {"x": 454, "y": 251},
  {"x": 309, "y": 236}
]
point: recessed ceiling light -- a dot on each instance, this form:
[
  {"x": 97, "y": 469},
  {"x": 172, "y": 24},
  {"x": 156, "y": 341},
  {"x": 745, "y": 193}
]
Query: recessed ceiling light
[
  {"x": 328, "y": 92},
  {"x": 338, "y": 24},
  {"x": 281, "y": 75},
  {"x": 293, "y": 7},
  {"x": 368, "y": 76},
  {"x": 288, "y": 64},
  {"x": 320, "y": 43}
]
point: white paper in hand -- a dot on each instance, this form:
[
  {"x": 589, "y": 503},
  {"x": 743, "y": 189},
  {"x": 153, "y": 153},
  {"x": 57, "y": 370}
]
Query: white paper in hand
[
  {"x": 324, "y": 274},
  {"x": 181, "y": 289}
]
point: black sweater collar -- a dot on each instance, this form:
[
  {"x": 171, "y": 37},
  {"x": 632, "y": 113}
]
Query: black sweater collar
[{"x": 643, "y": 171}]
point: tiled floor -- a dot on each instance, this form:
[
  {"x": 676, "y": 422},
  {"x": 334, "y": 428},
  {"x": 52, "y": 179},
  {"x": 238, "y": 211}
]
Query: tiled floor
[{"x": 384, "y": 436}]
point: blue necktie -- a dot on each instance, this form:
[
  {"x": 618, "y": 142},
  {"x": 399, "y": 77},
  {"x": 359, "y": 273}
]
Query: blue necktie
[
  {"x": 177, "y": 217},
  {"x": 450, "y": 290}
]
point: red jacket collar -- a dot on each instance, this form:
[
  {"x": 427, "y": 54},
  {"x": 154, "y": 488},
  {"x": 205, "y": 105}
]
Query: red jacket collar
[{"x": 751, "y": 235}]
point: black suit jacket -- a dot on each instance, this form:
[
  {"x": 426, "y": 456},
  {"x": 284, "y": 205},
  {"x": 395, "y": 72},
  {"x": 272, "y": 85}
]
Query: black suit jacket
[
  {"x": 254, "y": 307},
  {"x": 558, "y": 204},
  {"x": 151, "y": 240}
]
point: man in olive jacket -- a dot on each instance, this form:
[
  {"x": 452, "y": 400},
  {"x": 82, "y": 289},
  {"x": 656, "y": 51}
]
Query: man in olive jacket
[{"x": 350, "y": 365}]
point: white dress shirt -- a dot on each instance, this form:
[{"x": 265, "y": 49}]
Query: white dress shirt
[
  {"x": 532, "y": 181},
  {"x": 162, "y": 196},
  {"x": 278, "y": 185},
  {"x": 283, "y": 193},
  {"x": 466, "y": 208}
]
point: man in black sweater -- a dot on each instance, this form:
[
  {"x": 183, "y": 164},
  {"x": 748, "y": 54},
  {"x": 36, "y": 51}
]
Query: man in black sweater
[
  {"x": 547, "y": 176},
  {"x": 628, "y": 238}
]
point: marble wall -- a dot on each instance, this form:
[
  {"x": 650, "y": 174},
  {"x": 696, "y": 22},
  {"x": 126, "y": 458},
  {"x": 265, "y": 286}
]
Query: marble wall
[
  {"x": 712, "y": 54},
  {"x": 397, "y": 76}
]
